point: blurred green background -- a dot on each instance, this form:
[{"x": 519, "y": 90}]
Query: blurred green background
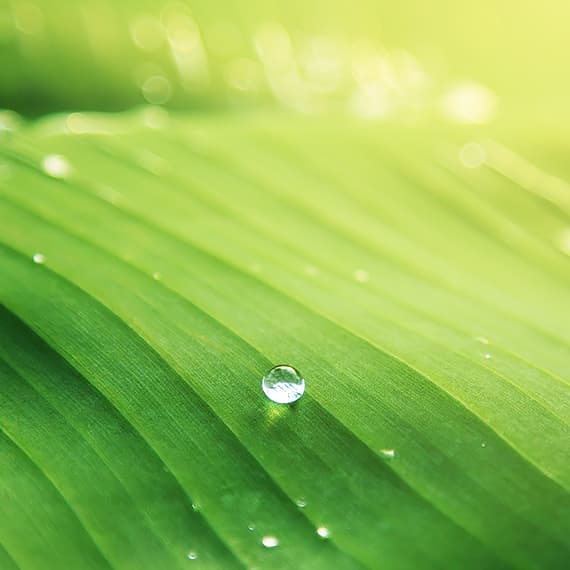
[{"x": 107, "y": 55}]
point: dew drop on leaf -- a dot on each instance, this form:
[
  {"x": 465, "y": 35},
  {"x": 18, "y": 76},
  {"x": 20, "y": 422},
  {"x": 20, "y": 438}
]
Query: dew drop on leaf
[
  {"x": 270, "y": 541},
  {"x": 192, "y": 555},
  {"x": 323, "y": 532},
  {"x": 301, "y": 503},
  {"x": 39, "y": 258},
  {"x": 283, "y": 384},
  {"x": 56, "y": 166}
]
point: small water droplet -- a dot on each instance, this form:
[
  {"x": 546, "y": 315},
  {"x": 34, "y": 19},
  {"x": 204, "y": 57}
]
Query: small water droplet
[
  {"x": 270, "y": 541},
  {"x": 283, "y": 384},
  {"x": 192, "y": 555},
  {"x": 251, "y": 527},
  {"x": 323, "y": 532},
  {"x": 482, "y": 340},
  {"x": 39, "y": 258},
  {"x": 483, "y": 444},
  {"x": 361, "y": 275},
  {"x": 487, "y": 356},
  {"x": 56, "y": 166},
  {"x": 301, "y": 503},
  {"x": 157, "y": 275},
  {"x": 388, "y": 453},
  {"x": 195, "y": 507}
]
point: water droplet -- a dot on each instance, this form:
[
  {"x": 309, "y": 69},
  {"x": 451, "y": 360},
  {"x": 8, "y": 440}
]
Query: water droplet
[
  {"x": 192, "y": 555},
  {"x": 157, "y": 275},
  {"x": 483, "y": 444},
  {"x": 251, "y": 527},
  {"x": 361, "y": 275},
  {"x": 487, "y": 356},
  {"x": 301, "y": 503},
  {"x": 388, "y": 453},
  {"x": 39, "y": 258},
  {"x": 196, "y": 507},
  {"x": 323, "y": 532},
  {"x": 482, "y": 340},
  {"x": 283, "y": 384},
  {"x": 270, "y": 541},
  {"x": 56, "y": 166}
]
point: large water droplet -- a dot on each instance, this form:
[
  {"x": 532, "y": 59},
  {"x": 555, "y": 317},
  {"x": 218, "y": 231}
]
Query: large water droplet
[
  {"x": 192, "y": 555},
  {"x": 301, "y": 503},
  {"x": 283, "y": 384},
  {"x": 270, "y": 541},
  {"x": 39, "y": 258},
  {"x": 323, "y": 532}
]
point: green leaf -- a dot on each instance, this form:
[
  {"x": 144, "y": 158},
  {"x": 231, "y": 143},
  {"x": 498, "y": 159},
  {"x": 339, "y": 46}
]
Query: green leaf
[{"x": 424, "y": 302}]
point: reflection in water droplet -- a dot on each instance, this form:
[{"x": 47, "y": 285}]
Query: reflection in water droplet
[
  {"x": 192, "y": 555},
  {"x": 283, "y": 384},
  {"x": 388, "y": 453},
  {"x": 195, "y": 507},
  {"x": 56, "y": 166},
  {"x": 483, "y": 444},
  {"x": 301, "y": 503},
  {"x": 361, "y": 275},
  {"x": 39, "y": 258},
  {"x": 487, "y": 356},
  {"x": 323, "y": 532},
  {"x": 251, "y": 526},
  {"x": 157, "y": 275},
  {"x": 270, "y": 541}
]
